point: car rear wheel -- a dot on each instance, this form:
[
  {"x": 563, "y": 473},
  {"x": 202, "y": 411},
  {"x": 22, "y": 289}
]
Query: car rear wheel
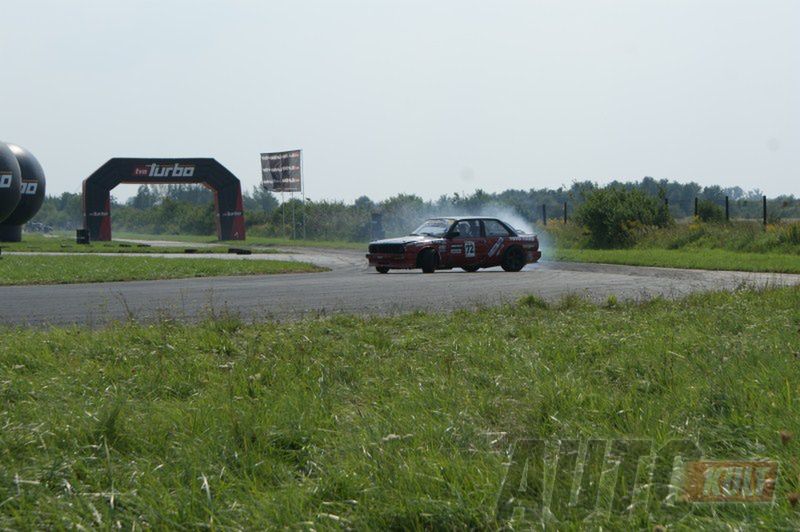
[
  {"x": 513, "y": 259},
  {"x": 428, "y": 261},
  {"x": 471, "y": 268},
  {"x": 382, "y": 269}
]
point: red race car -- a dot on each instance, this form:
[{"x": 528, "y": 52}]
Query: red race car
[{"x": 447, "y": 243}]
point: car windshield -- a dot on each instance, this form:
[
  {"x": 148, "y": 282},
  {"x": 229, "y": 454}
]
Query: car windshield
[{"x": 433, "y": 227}]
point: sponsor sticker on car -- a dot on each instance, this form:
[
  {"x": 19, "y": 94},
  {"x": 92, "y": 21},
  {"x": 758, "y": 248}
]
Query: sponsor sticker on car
[{"x": 496, "y": 247}]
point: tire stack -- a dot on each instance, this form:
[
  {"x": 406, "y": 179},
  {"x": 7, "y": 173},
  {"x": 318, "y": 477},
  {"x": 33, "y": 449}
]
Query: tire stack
[{"x": 22, "y": 188}]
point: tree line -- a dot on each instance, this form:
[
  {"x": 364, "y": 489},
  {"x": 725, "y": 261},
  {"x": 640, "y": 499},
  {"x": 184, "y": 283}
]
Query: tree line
[{"x": 189, "y": 209}]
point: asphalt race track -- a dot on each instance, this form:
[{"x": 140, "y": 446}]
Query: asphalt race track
[{"x": 352, "y": 288}]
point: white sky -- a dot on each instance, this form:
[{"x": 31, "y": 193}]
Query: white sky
[{"x": 428, "y": 97}]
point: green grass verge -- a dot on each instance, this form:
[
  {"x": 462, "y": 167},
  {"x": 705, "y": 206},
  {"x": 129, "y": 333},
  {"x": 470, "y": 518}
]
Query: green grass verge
[
  {"x": 60, "y": 243},
  {"x": 703, "y": 259},
  {"x": 50, "y": 269},
  {"x": 383, "y": 423},
  {"x": 251, "y": 241}
]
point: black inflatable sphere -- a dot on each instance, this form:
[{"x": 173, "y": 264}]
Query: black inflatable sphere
[
  {"x": 10, "y": 182},
  {"x": 32, "y": 188}
]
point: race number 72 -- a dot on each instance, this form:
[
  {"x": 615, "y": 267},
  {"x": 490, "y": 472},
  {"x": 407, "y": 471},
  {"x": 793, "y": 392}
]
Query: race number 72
[{"x": 469, "y": 249}]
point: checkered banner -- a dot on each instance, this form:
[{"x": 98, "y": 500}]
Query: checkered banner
[{"x": 280, "y": 171}]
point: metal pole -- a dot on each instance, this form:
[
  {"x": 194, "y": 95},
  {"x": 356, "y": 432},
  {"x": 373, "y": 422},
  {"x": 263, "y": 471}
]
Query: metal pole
[
  {"x": 283, "y": 213},
  {"x": 764, "y": 199},
  {"x": 565, "y": 212},
  {"x": 727, "y": 209},
  {"x": 695, "y": 206},
  {"x": 294, "y": 224},
  {"x": 303, "y": 193},
  {"x": 544, "y": 214}
]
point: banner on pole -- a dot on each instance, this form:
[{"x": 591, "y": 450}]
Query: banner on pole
[{"x": 281, "y": 171}]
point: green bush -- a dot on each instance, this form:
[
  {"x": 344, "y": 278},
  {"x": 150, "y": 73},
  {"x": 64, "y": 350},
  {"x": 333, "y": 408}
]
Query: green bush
[
  {"x": 710, "y": 212},
  {"x": 790, "y": 234},
  {"x": 615, "y": 217}
]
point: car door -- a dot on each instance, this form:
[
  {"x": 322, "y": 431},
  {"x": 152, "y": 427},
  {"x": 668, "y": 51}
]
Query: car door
[
  {"x": 496, "y": 237},
  {"x": 469, "y": 247}
]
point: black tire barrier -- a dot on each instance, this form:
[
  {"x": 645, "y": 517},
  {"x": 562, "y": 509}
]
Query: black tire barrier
[
  {"x": 30, "y": 196},
  {"x": 10, "y": 182}
]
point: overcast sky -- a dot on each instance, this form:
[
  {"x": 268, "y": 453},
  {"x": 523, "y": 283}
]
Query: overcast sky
[{"x": 427, "y": 97}]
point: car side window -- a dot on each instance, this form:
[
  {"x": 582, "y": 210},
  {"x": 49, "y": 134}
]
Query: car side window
[
  {"x": 469, "y": 229},
  {"x": 495, "y": 228},
  {"x": 475, "y": 228}
]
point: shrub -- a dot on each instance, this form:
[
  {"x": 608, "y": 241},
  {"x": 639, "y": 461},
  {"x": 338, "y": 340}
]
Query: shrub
[
  {"x": 533, "y": 301},
  {"x": 615, "y": 217},
  {"x": 710, "y": 212},
  {"x": 790, "y": 234},
  {"x": 567, "y": 235}
]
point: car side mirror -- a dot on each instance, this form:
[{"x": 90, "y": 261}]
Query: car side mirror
[{"x": 452, "y": 234}]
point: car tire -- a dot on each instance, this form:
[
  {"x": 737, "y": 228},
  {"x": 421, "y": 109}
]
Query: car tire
[
  {"x": 513, "y": 259},
  {"x": 428, "y": 261},
  {"x": 471, "y": 268},
  {"x": 382, "y": 269}
]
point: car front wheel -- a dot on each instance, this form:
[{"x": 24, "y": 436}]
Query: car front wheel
[
  {"x": 471, "y": 268},
  {"x": 428, "y": 260},
  {"x": 513, "y": 259},
  {"x": 382, "y": 269}
]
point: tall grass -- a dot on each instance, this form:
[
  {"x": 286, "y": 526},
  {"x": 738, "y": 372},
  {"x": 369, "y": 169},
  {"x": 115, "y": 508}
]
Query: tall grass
[
  {"x": 748, "y": 237},
  {"x": 382, "y": 423}
]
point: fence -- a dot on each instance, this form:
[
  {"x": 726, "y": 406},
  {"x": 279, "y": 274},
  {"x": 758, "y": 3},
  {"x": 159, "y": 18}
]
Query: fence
[{"x": 763, "y": 210}]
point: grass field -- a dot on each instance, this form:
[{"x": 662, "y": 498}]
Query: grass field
[
  {"x": 63, "y": 269},
  {"x": 384, "y": 423},
  {"x": 707, "y": 259},
  {"x": 744, "y": 246},
  {"x": 62, "y": 243},
  {"x": 251, "y": 241}
]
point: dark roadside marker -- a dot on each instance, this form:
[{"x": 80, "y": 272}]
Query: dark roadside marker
[{"x": 240, "y": 251}]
